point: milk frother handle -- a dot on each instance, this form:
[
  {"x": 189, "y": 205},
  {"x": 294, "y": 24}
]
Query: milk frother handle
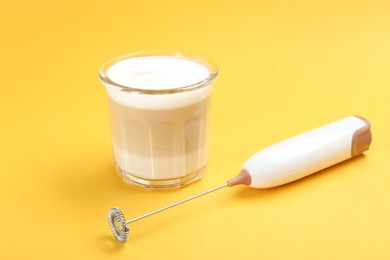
[{"x": 307, "y": 153}]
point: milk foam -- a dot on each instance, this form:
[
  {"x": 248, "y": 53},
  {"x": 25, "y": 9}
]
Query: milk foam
[{"x": 157, "y": 73}]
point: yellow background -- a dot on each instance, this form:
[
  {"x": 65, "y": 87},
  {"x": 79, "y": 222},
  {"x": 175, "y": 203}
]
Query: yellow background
[{"x": 285, "y": 67}]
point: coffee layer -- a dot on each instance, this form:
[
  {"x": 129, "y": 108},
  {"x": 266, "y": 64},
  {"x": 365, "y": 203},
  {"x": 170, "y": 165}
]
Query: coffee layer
[{"x": 160, "y": 144}]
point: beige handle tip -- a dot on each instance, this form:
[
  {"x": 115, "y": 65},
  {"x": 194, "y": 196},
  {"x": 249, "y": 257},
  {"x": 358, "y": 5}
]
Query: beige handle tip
[
  {"x": 361, "y": 139},
  {"x": 242, "y": 178}
]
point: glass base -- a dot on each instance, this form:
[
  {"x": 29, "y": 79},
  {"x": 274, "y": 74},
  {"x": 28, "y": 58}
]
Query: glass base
[{"x": 160, "y": 184}]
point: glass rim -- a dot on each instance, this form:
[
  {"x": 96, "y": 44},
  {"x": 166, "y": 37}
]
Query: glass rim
[{"x": 199, "y": 58}]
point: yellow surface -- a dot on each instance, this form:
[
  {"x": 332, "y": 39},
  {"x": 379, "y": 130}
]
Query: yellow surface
[{"x": 285, "y": 67}]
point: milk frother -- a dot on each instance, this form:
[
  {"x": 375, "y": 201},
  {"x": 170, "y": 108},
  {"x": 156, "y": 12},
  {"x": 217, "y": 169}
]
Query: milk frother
[{"x": 283, "y": 162}]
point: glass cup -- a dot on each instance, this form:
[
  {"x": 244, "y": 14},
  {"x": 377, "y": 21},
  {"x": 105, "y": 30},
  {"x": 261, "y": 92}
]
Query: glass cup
[{"x": 159, "y": 116}]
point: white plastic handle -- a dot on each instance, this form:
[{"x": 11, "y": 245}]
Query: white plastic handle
[{"x": 307, "y": 153}]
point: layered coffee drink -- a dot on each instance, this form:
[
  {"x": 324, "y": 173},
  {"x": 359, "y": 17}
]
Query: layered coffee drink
[{"x": 159, "y": 117}]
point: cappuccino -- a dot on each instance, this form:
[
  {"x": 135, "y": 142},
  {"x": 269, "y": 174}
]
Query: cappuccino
[{"x": 159, "y": 117}]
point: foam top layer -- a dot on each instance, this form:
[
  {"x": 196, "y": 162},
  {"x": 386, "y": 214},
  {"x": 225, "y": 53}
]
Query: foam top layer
[
  {"x": 158, "y": 81},
  {"x": 157, "y": 72}
]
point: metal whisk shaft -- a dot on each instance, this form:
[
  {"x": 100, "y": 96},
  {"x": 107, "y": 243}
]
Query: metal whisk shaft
[
  {"x": 175, "y": 204},
  {"x": 118, "y": 224}
]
